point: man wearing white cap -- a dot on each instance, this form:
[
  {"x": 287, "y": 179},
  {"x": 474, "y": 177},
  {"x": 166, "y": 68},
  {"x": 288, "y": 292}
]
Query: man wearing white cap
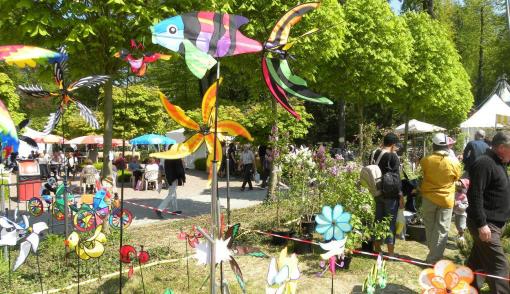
[{"x": 440, "y": 173}]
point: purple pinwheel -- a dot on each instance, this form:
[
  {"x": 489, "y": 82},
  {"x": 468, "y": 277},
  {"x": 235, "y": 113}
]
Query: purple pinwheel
[{"x": 333, "y": 223}]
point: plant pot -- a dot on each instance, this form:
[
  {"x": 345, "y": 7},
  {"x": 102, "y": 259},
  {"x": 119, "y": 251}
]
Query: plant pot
[
  {"x": 367, "y": 246},
  {"x": 301, "y": 247},
  {"x": 344, "y": 263},
  {"x": 285, "y": 232},
  {"x": 416, "y": 232}
]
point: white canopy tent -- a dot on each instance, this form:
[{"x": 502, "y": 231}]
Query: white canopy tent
[
  {"x": 418, "y": 127},
  {"x": 485, "y": 117}
]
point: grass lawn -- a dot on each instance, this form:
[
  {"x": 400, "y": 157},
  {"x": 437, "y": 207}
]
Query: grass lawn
[{"x": 168, "y": 264}]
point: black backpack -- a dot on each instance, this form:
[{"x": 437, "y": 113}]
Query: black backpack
[{"x": 390, "y": 184}]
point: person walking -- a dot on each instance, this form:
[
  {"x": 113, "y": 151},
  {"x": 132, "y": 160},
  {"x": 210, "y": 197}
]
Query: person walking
[
  {"x": 175, "y": 176},
  {"x": 488, "y": 211},
  {"x": 387, "y": 205},
  {"x": 474, "y": 149},
  {"x": 440, "y": 173},
  {"x": 247, "y": 160}
]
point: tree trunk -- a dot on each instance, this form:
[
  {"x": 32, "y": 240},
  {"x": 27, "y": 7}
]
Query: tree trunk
[
  {"x": 428, "y": 5},
  {"x": 479, "y": 80},
  {"x": 341, "y": 123},
  {"x": 406, "y": 129},
  {"x": 108, "y": 128},
  {"x": 273, "y": 179},
  {"x": 360, "y": 134}
]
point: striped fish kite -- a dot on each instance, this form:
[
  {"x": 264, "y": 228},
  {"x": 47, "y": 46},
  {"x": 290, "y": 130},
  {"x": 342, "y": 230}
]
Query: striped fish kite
[{"x": 204, "y": 36}]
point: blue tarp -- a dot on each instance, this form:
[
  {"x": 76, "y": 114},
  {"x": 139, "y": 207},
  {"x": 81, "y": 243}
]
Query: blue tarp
[{"x": 152, "y": 139}]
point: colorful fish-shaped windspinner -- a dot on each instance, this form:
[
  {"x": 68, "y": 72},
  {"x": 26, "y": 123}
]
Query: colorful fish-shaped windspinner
[
  {"x": 203, "y": 36},
  {"x": 22, "y": 55},
  {"x": 66, "y": 91},
  {"x": 139, "y": 65}
]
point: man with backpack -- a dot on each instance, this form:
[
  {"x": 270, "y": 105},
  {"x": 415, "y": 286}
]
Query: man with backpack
[
  {"x": 389, "y": 199},
  {"x": 440, "y": 173}
]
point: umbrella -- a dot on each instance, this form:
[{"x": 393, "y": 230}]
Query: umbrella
[
  {"x": 93, "y": 140},
  {"x": 418, "y": 127},
  {"x": 152, "y": 139},
  {"x": 40, "y": 137}
]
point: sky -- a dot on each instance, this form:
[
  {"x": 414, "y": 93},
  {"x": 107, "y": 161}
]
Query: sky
[{"x": 395, "y": 5}]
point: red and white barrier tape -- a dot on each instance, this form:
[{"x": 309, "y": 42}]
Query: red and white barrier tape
[
  {"x": 406, "y": 260},
  {"x": 157, "y": 209}
]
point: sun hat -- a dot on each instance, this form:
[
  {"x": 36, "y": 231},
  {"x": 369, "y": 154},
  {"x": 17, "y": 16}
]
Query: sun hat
[{"x": 440, "y": 139}]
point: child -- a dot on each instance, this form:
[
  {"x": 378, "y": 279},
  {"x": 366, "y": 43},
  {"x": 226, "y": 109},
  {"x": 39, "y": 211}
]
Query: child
[{"x": 461, "y": 203}]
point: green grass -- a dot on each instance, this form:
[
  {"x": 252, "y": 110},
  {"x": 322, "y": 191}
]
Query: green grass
[{"x": 160, "y": 240}]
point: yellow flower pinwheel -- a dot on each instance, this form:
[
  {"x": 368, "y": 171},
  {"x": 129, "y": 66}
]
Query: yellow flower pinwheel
[
  {"x": 445, "y": 278},
  {"x": 204, "y": 132}
]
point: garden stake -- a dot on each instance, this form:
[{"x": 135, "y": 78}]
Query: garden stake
[
  {"x": 332, "y": 286},
  {"x": 187, "y": 262},
  {"x": 122, "y": 176},
  {"x": 141, "y": 271},
  {"x": 39, "y": 271},
  {"x": 78, "y": 275}
]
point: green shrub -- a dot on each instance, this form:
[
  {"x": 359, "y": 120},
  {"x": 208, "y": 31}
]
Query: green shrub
[
  {"x": 125, "y": 178},
  {"x": 98, "y": 166},
  {"x": 200, "y": 164}
]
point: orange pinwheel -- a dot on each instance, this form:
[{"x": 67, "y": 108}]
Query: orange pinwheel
[
  {"x": 445, "y": 278},
  {"x": 204, "y": 132}
]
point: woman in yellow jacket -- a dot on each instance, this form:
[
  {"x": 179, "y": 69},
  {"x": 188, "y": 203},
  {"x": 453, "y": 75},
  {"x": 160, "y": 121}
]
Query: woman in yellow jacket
[{"x": 440, "y": 173}]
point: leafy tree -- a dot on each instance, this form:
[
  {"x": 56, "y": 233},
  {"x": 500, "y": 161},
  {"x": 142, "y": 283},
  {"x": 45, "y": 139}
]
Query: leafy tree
[
  {"x": 376, "y": 55},
  {"x": 437, "y": 87},
  {"x": 10, "y": 98},
  {"x": 144, "y": 113}
]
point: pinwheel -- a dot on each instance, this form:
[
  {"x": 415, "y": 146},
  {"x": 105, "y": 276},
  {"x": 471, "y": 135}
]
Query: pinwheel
[
  {"x": 92, "y": 247},
  {"x": 446, "y": 277},
  {"x": 126, "y": 254},
  {"x": 21, "y": 55},
  {"x": 223, "y": 252},
  {"x": 13, "y": 232},
  {"x": 377, "y": 278},
  {"x": 139, "y": 65},
  {"x": 283, "y": 274},
  {"x": 204, "y": 132},
  {"x": 203, "y": 36},
  {"x": 191, "y": 237},
  {"x": 333, "y": 224},
  {"x": 66, "y": 92}
]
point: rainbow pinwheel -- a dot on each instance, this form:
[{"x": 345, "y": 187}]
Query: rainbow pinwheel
[
  {"x": 204, "y": 132},
  {"x": 92, "y": 247},
  {"x": 139, "y": 65},
  {"x": 66, "y": 92},
  {"x": 445, "y": 278},
  {"x": 203, "y": 36},
  {"x": 8, "y": 134},
  {"x": 283, "y": 274},
  {"x": 21, "y": 55}
]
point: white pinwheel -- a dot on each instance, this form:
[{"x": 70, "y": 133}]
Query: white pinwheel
[{"x": 13, "y": 232}]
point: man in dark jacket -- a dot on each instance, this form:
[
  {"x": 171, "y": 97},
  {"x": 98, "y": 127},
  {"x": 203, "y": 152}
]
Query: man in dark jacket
[
  {"x": 488, "y": 211},
  {"x": 175, "y": 176},
  {"x": 474, "y": 149}
]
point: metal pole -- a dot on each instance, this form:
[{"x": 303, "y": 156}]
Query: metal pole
[
  {"x": 66, "y": 205},
  {"x": 123, "y": 167},
  {"x": 228, "y": 189},
  {"x": 215, "y": 228}
]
